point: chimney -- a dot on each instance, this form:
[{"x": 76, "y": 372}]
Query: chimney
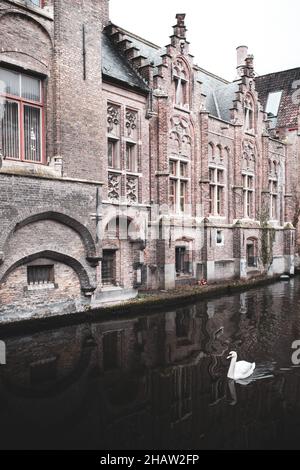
[
  {"x": 242, "y": 54},
  {"x": 105, "y": 12},
  {"x": 180, "y": 28}
]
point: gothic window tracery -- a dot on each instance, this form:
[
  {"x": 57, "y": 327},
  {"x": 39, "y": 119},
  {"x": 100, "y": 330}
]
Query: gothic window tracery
[
  {"x": 181, "y": 81},
  {"x": 249, "y": 157},
  {"x": 123, "y": 158},
  {"x": 179, "y": 163},
  {"x": 180, "y": 137},
  {"x": 248, "y": 178}
]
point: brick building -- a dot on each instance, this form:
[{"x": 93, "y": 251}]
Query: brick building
[{"x": 125, "y": 165}]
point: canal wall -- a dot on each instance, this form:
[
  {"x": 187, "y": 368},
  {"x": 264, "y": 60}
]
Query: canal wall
[{"x": 148, "y": 302}]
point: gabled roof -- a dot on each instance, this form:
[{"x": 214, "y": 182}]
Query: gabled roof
[
  {"x": 116, "y": 67},
  {"x": 151, "y": 51},
  {"x": 220, "y": 94}
]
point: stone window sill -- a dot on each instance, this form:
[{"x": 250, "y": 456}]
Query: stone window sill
[
  {"x": 41, "y": 287},
  {"x": 182, "y": 108}
]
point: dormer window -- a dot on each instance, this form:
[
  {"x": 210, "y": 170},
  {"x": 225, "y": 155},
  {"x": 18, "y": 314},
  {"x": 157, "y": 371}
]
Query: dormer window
[
  {"x": 273, "y": 104},
  {"x": 272, "y": 107},
  {"x": 181, "y": 84}
]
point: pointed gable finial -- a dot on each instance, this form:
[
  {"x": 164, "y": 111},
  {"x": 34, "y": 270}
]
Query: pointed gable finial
[{"x": 180, "y": 28}]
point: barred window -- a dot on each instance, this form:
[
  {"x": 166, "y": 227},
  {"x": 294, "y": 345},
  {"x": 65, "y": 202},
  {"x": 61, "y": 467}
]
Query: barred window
[
  {"x": 21, "y": 116},
  {"x": 109, "y": 267},
  {"x": 43, "y": 274}
]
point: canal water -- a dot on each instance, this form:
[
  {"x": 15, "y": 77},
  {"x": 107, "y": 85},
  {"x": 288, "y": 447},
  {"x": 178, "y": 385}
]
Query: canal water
[{"x": 159, "y": 381}]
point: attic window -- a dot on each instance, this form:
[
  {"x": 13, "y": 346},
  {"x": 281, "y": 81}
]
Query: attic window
[{"x": 273, "y": 103}]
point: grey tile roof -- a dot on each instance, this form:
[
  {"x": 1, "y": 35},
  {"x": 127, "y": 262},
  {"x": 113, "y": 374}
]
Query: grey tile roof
[
  {"x": 147, "y": 49},
  {"x": 219, "y": 93},
  {"x": 116, "y": 67}
]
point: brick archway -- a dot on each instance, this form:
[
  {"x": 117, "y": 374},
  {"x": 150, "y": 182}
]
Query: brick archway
[
  {"x": 64, "y": 219},
  {"x": 59, "y": 257}
]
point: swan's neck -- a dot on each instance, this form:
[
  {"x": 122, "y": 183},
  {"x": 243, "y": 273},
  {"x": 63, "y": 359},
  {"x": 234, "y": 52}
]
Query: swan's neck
[{"x": 231, "y": 368}]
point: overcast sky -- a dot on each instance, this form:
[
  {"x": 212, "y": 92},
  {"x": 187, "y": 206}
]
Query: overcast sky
[{"x": 270, "y": 28}]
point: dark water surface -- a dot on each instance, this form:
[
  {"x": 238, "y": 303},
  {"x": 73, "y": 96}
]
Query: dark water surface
[{"x": 159, "y": 381}]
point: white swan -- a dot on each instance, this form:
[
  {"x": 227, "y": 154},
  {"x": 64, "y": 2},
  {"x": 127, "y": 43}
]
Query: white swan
[{"x": 239, "y": 370}]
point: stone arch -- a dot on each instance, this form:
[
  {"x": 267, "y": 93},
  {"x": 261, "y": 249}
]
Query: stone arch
[
  {"x": 28, "y": 18},
  {"x": 35, "y": 43},
  {"x": 122, "y": 227},
  {"x": 59, "y": 257},
  {"x": 64, "y": 219},
  {"x": 26, "y": 54}
]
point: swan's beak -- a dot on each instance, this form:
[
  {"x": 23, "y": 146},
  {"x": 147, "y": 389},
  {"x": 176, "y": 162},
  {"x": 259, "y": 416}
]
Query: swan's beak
[{"x": 229, "y": 357}]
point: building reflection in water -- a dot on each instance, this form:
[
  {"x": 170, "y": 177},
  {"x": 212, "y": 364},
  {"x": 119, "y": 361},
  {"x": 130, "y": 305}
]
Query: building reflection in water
[{"x": 158, "y": 381}]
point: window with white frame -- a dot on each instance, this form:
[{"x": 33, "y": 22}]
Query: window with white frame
[
  {"x": 178, "y": 185},
  {"x": 248, "y": 195},
  {"x": 216, "y": 191},
  {"x": 21, "y": 116}
]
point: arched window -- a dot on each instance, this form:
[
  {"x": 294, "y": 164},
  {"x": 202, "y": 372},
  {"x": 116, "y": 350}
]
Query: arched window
[
  {"x": 227, "y": 154},
  {"x": 180, "y": 75},
  {"x": 219, "y": 153},
  {"x": 249, "y": 114},
  {"x": 211, "y": 151}
]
